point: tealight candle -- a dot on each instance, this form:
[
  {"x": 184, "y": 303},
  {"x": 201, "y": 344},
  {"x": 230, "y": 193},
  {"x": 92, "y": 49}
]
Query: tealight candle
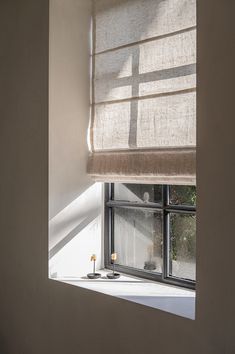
[
  {"x": 93, "y": 275},
  {"x": 114, "y": 256},
  {"x": 113, "y": 275},
  {"x": 93, "y": 257}
]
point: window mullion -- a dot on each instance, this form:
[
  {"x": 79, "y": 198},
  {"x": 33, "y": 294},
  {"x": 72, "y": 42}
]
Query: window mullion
[
  {"x": 111, "y": 191},
  {"x": 108, "y": 226},
  {"x": 165, "y": 195},
  {"x": 112, "y": 231}
]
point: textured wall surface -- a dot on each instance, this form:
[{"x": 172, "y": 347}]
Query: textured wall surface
[{"x": 40, "y": 316}]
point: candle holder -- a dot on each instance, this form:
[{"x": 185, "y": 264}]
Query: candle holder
[
  {"x": 113, "y": 275},
  {"x": 93, "y": 275}
]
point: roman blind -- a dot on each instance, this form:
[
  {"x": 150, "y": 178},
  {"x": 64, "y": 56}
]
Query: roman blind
[{"x": 143, "y": 120}]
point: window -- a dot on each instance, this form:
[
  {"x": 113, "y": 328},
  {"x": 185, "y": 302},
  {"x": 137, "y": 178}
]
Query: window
[{"x": 152, "y": 228}]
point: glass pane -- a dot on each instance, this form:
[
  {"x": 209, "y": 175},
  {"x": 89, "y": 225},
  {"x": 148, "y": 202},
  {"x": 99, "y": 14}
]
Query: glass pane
[
  {"x": 138, "y": 238},
  {"x": 183, "y": 195},
  {"x": 183, "y": 245},
  {"x": 138, "y": 192}
]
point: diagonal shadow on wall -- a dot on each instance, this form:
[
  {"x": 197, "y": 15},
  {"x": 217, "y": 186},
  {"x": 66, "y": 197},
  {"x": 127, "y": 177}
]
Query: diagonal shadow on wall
[{"x": 92, "y": 216}]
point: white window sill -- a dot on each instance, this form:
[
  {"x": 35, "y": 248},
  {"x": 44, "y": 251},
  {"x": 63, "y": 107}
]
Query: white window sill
[{"x": 172, "y": 299}]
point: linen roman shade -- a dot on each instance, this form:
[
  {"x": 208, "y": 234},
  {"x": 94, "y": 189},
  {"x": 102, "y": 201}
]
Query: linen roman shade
[{"x": 143, "y": 120}]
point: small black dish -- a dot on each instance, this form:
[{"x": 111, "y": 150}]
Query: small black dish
[
  {"x": 113, "y": 275},
  {"x": 93, "y": 275}
]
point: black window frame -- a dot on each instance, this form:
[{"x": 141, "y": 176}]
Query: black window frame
[{"x": 165, "y": 208}]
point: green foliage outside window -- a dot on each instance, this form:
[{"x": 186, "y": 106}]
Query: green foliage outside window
[{"x": 183, "y": 226}]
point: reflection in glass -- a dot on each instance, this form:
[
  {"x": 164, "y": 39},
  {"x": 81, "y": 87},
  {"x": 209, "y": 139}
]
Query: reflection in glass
[
  {"x": 138, "y": 192},
  {"x": 138, "y": 238},
  {"x": 183, "y": 195},
  {"x": 183, "y": 245}
]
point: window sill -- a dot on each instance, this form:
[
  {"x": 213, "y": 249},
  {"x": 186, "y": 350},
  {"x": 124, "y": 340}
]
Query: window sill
[{"x": 172, "y": 299}]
